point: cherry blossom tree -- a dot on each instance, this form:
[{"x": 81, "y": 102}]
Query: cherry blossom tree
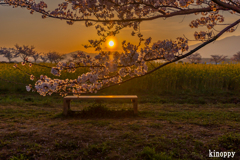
[
  {"x": 218, "y": 58},
  {"x": 36, "y": 56},
  {"x": 8, "y": 53},
  {"x": 236, "y": 57},
  {"x": 25, "y": 52},
  {"x": 54, "y": 57},
  {"x": 109, "y": 17},
  {"x": 194, "y": 58},
  {"x": 43, "y": 57},
  {"x": 74, "y": 57}
]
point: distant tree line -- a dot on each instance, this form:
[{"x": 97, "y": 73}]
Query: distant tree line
[
  {"x": 197, "y": 58},
  {"x": 24, "y": 52}
]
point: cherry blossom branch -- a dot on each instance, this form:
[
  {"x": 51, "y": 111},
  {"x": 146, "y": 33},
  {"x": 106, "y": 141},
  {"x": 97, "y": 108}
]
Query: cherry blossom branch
[
  {"x": 104, "y": 72},
  {"x": 183, "y": 56},
  {"x": 177, "y": 13},
  {"x": 226, "y": 5}
]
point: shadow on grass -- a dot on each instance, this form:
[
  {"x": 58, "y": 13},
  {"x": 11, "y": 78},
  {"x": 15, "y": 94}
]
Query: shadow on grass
[{"x": 98, "y": 110}]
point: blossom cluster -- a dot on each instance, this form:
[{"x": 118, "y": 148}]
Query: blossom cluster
[
  {"x": 127, "y": 13},
  {"x": 202, "y": 35},
  {"x": 107, "y": 68},
  {"x": 166, "y": 49},
  {"x": 47, "y": 86},
  {"x": 210, "y": 21},
  {"x": 121, "y": 10}
]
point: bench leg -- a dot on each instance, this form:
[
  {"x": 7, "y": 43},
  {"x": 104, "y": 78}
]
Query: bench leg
[
  {"x": 135, "y": 106},
  {"x": 66, "y": 106}
]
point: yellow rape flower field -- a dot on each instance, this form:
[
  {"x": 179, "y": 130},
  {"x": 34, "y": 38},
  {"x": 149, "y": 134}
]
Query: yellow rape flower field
[{"x": 174, "y": 77}]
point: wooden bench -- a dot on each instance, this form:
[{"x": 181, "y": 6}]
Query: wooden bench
[{"x": 67, "y": 100}]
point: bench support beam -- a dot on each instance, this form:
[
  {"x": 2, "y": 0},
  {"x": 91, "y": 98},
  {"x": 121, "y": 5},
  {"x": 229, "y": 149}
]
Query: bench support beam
[
  {"x": 135, "y": 106},
  {"x": 66, "y": 106}
]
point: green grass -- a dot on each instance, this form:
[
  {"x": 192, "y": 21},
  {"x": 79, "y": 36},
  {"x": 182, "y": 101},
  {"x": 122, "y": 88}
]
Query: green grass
[{"x": 160, "y": 131}]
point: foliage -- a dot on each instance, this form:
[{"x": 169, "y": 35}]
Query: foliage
[
  {"x": 75, "y": 56},
  {"x": 113, "y": 68},
  {"x": 194, "y": 58},
  {"x": 44, "y": 57},
  {"x": 36, "y": 56},
  {"x": 9, "y": 53},
  {"x": 25, "y": 51},
  {"x": 54, "y": 57},
  {"x": 218, "y": 58},
  {"x": 236, "y": 57}
]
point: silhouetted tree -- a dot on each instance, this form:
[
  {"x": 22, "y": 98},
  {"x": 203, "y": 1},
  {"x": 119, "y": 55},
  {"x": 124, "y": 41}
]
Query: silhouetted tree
[
  {"x": 8, "y": 53},
  {"x": 54, "y": 57},
  {"x": 44, "y": 57},
  {"x": 194, "y": 58},
  {"x": 236, "y": 57},
  {"x": 36, "y": 56},
  {"x": 217, "y": 58},
  {"x": 74, "y": 56},
  {"x": 25, "y": 51}
]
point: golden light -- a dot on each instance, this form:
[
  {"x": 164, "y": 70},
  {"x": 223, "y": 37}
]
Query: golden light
[{"x": 111, "y": 43}]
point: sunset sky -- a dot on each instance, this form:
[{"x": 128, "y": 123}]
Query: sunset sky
[{"x": 18, "y": 26}]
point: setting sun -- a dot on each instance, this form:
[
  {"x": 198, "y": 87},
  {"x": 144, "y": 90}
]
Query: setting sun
[{"x": 111, "y": 43}]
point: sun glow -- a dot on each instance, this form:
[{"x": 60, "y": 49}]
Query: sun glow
[{"x": 111, "y": 43}]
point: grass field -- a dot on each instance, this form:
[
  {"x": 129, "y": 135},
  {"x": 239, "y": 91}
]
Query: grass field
[
  {"x": 33, "y": 130},
  {"x": 184, "y": 110}
]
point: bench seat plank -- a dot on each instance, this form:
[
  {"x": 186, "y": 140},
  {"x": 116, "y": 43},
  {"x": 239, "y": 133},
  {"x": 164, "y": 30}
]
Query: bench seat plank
[{"x": 102, "y": 97}]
